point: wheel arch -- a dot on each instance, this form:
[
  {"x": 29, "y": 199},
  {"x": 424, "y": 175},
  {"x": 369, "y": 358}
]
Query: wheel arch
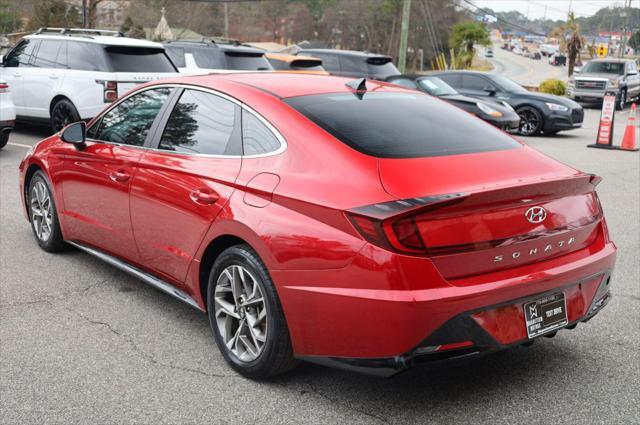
[
  {"x": 57, "y": 98},
  {"x": 28, "y": 175},
  {"x": 211, "y": 253}
]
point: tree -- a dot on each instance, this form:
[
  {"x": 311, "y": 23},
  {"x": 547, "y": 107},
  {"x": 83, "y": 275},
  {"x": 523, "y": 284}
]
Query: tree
[
  {"x": 92, "y": 13},
  {"x": 634, "y": 41},
  {"x": 132, "y": 29},
  {"x": 55, "y": 13},
  {"x": 9, "y": 19},
  {"x": 464, "y": 36},
  {"x": 570, "y": 41}
]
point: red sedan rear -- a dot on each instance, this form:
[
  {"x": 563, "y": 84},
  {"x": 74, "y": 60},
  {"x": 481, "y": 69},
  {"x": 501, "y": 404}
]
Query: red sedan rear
[{"x": 368, "y": 227}]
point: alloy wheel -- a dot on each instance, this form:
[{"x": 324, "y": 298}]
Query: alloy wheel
[
  {"x": 241, "y": 313},
  {"x": 529, "y": 122},
  {"x": 41, "y": 216},
  {"x": 61, "y": 116}
]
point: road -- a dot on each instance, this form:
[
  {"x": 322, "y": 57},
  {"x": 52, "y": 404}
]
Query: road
[
  {"x": 523, "y": 70},
  {"x": 81, "y": 342}
]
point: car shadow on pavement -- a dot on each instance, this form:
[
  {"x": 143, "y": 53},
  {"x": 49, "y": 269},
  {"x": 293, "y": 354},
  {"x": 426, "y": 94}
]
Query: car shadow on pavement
[{"x": 33, "y": 129}]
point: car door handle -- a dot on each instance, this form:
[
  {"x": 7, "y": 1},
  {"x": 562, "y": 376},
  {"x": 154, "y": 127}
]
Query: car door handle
[
  {"x": 204, "y": 196},
  {"x": 120, "y": 176},
  {"x": 53, "y": 77},
  {"x": 17, "y": 74}
]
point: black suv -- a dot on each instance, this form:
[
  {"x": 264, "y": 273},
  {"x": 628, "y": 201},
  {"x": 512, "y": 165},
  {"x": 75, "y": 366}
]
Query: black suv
[
  {"x": 350, "y": 63},
  {"x": 539, "y": 112},
  {"x": 210, "y": 55}
]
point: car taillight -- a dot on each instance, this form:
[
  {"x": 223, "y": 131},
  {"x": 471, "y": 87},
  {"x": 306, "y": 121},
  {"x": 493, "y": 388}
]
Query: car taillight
[
  {"x": 4, "y": 88},
  {"x": 110, "y": 90},
  {"x": 392, "y": 225}
]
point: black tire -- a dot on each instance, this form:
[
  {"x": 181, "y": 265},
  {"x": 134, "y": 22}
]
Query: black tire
[
  {"x": 531, "y": 121},
  {"x": 276, "y": 356},
  {"x": 4, "y": 138},
  {"x": 621, "y": 100},
  {"x": 63, "y": 113},
  {"x": 54, "y": 242}
]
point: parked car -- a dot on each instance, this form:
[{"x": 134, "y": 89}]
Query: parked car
[
  {"x": 293, "y": 63},
  {"x": 64, "y": 75},
  {"x": 488, "y": 53},
  {"x": 557, "y": 59},
  {"x": 500, "y": 115},
  {"x": 7, "y": 114},
  {"x": 539, "y": 112},
  {"x": 349, "y": 63},
  {"x": 599, "y": 76},
  {"x": 206, "y": 55},
  {"x": 348, "y": 223}
]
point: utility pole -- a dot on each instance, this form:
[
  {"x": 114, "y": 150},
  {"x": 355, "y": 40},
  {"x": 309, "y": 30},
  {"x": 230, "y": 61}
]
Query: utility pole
[
  {"x": 404, "y": 35},
  {"x": 623, "y": 44},
  {"x": 226, "y": 19},
  {"x": 85, "y": 15}
]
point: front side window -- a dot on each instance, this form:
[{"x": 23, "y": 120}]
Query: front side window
[
  {"x": 21, "y": 55},
  {"x": 400, "y": 125},
  {"x": 129, "y": 122},
  {"x": 49, "y": 54},
  {"x": 257, "y": 139},
  {"x": 202, "y": 123}
]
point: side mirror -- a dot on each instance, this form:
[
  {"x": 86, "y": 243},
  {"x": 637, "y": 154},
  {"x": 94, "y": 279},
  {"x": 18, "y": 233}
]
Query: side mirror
[
  {"x": 75, "y": 133},
  {"x": 490, "y": 90}
]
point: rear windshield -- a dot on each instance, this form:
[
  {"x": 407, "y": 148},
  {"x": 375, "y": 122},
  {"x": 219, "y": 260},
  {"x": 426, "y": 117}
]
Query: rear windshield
[
  {"x": 247, "y": 62},
  {"x": 400, "y": 125},
  {"x": 382, "y": 65},
  {"x": 307, "y": 65},
  {"x": 138, "y": 59}
]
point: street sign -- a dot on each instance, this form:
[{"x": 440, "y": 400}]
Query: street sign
[
  {"x": 602, "y": 50},
  {"x": 604, "y": 139}
]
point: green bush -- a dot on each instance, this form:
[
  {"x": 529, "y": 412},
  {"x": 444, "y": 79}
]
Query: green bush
[{"x": 553, "y": 86}]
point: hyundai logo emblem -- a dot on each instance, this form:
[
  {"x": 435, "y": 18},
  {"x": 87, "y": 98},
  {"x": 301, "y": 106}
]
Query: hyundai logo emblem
[{"x": 536, "y": 215}]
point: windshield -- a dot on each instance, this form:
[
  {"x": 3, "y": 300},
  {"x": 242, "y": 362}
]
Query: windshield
[
  {"x": 436, "y": 87},
  {"x": 508, "y": 85},
  {"x": 138, "y": 59},
  {"x": 400, "y": 125},
  {"x": 603, "y": 68}
]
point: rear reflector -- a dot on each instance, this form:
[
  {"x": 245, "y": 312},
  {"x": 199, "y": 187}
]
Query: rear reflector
[{"x": 4, "y": 88}]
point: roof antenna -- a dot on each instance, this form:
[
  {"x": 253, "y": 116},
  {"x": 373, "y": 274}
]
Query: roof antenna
[{"x": 358, "y": 85}]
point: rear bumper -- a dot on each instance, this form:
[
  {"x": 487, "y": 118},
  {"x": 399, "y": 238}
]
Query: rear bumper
[
  {"x": 381, "y": 308},
  {"x": 474, "y": 333}
]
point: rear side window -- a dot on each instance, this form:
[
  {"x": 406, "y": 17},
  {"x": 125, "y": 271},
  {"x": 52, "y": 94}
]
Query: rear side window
[
  {"x": 247, "y": 61},
  {"x": 21, "y": 55},
  {"x": 329, "y": 61},
  {"x": 138, "y": 59},
  {"x": 400, "y": 125},
  {"x": 278, "y": 64},
  {"x": 473, "y": 82},
  {"x": 454, "y": 80},
  {"x": 86, "y": 56},
  {"x": 257, "y": 139},
  {"x": 50, "y": 54},
  {"x": 176, "y": 54},
  {"x": 129, "y": 122},
  {"x": 353, "y": 64},
  {"x": 203, "y": 123}
]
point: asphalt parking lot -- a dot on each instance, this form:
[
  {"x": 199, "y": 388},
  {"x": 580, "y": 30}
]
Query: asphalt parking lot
[{"x": 81, "y": 342}]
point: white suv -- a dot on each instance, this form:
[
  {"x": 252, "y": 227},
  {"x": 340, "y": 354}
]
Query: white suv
[
  {"x": 65, "y": 75},
  {"x": 7, "y": 114}
]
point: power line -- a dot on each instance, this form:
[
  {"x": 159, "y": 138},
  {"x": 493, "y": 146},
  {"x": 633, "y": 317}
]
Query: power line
[{"x": 501, "y": 20}]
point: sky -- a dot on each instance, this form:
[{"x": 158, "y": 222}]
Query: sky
[{"x": 555, "y": 9}]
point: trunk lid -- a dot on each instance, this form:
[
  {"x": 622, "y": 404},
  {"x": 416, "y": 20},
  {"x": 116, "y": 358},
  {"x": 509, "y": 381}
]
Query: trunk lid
[{"x": 495, "y": 222}]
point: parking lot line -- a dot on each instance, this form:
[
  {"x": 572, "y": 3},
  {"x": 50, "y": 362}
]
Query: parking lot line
[{"x": 20, "y": 145}]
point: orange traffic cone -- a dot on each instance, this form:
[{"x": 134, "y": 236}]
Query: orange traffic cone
[{"x": 629, "y": 138}]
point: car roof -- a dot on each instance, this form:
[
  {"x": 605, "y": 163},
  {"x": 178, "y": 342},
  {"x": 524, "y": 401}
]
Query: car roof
[
  {"x": 285, "y": 57},
  {"x": 611, "y": 60},
  {"x": 281, "y": 84},
  {"x": 345, "y": 52},
  {"x": 98, "y": 39},
  {"x": 213, "y": 45}
]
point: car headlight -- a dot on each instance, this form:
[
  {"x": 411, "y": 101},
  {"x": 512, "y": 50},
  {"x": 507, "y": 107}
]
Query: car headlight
[
  {"x": 613, "y": 83},
  {"x": 506, "y": 105},
  {"x": 488, "y": 110},
  {"x": 556, "y": 107}
]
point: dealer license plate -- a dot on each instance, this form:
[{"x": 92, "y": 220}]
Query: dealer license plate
[{"x": 545, "y": 315}]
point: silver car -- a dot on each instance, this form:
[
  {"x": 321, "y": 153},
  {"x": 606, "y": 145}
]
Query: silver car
[{"x": 599, "y": 76}]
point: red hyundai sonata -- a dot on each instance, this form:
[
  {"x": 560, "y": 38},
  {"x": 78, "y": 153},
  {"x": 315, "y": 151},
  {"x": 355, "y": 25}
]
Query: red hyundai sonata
[{"x": 354, "y": 224}]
